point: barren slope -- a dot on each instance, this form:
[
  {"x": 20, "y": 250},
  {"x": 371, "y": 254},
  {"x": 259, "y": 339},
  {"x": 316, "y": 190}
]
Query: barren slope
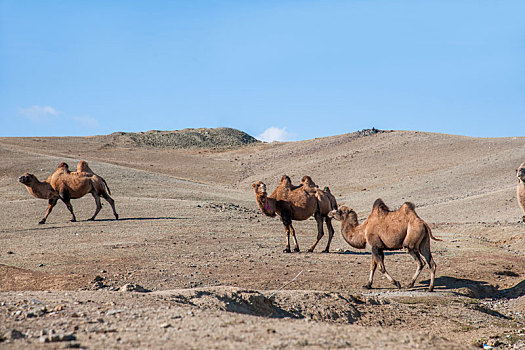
[{"x": 189, "y": 220}]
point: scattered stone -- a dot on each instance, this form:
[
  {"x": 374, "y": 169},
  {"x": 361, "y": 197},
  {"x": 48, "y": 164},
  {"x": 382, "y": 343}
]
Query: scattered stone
[
  {"x": 165, "y": 325},
  {"x": 114, "y": 311},
  {"x": 13, "y": 335},
  {"x": 56, "y": 337},
  {"x": 10, "y": 252},
  {"x": 130, "y": 287}
]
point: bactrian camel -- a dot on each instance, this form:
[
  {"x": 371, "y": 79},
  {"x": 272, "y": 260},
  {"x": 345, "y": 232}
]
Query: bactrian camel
[
  {"x": 66, "y": 185},
  {"x": 521, "y": 188},
  {"x": 389, "y": 230},
  {"x": 297, "y": 203}
]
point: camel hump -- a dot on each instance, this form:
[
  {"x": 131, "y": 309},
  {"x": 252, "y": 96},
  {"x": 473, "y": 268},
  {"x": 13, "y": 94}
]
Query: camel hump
[
  {"x": 64, "y": 166},
  {"x": 83, "y": 167},
  {"x": 381, "y": 206},
  {"x": 409, "y": 205},
  {"x": 307, "y": 180}
]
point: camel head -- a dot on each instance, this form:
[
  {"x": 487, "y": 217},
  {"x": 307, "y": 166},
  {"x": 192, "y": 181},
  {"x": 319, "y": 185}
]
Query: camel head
[
  {"x": 27, "y": 179},
  {"x": 521, "y": 173},
  {"x": 260, "y": 188},
  {"x": 343, "y": 214}
]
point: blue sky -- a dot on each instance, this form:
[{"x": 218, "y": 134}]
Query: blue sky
[{"x": 289, "y": 70}]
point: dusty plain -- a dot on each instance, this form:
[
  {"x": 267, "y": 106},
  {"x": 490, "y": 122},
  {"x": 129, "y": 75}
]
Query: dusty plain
[{"x": 190, "y": 232}]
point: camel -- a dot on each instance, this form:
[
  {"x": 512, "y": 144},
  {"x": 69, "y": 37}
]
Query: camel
[
  {"x": 521, "y": 188},
  {"x": 73, "y": 185},
  {"x": 41, "y": 190},
  {"x": 389, "y": 230},
  {"x": 297, "y": 203}
]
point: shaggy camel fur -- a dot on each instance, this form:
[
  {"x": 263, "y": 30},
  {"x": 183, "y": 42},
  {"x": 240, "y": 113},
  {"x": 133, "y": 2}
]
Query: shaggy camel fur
[
  {"x": 296, "y": 203},
  {"x": 41, "y": 190},
  {"x": 73, "y": 185},
  {"x": 389, "y": 230},
  {"x": 521, "y": 188}
]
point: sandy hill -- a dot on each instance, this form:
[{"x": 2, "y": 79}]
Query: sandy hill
[{"x": 189, "y": 220}]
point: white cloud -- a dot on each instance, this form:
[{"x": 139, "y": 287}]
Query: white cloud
[
  {"x": 87, "y": 122},
  {"x": 40, "y": 113},
  {"x": 46, "y": 114},
  {"x": 276, "y": 134}
]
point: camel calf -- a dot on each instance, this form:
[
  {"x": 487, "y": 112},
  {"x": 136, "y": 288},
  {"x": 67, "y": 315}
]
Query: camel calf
[{"x": 389, "y": 230}]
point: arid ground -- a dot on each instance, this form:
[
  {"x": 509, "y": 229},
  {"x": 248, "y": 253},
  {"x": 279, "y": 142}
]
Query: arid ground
[{"x": 191, "y": 233}]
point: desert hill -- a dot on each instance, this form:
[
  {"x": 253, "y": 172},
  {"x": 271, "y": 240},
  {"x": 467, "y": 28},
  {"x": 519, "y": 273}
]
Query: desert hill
[{"x": 190, "y": 227}]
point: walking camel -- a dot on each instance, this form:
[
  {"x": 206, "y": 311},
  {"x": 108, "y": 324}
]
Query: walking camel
[
  {"x": 66, "y": 185},
  {"x": 297, "y": 203},
  {"x": 389, "y": 230}
]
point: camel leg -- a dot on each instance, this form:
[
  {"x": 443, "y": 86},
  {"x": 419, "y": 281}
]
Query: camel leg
[
  {"x": 381, "y": 262},
  {"x": 67, "y": 201},
  {"x": 320, "y": 231},
  {"x": 99, "y": 205},
  {"x": 50, "y": 204},
  {"x": 112, "y": 203},
  {"x": 425, "y": 251},
  {"x": 287, "y": 233},
  {"x": 373, "y": 266},
  {"x": 296, "y": 244},
  {"x": 286, "y": 219},
  {"x": 420, "y": 264},
  {"x": 330, "y": 233}
]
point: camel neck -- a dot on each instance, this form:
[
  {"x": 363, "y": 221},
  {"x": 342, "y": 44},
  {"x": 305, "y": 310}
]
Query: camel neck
[
  {"x": 353, "y": 234},
  {"x": 265, "y": 205}
]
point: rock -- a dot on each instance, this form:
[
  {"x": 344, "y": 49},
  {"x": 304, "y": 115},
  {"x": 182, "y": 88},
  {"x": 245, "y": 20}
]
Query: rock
[
  {"x": 14, "y": 334},
  {"x": 130, "y": 287},
  {"x": 56, "y": 337}
]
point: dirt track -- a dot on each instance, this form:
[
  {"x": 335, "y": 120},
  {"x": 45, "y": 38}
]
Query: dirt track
[{"x": 192, "y": 233}]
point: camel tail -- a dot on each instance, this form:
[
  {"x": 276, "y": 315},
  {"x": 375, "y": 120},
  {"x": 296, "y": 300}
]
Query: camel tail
[
  {"x": 430, "y": 233},
  {"x": 105, "y": 183}
]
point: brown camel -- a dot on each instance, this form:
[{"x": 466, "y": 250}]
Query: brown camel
[
  {"x": 389, "y": 230},
  {"x": 41, "y": 190},
  {"x": 296, "y": 203},
  {"x": 521, "y": 188},
  {"x": 73, "y": 185}
]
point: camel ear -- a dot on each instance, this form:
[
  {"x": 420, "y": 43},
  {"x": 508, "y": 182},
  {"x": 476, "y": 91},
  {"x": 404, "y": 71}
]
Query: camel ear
[{"x": 254, "y": 185}]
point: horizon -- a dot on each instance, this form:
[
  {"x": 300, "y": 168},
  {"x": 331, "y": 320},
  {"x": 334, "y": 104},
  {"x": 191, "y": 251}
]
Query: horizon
[
  {"x": 254, "y": 136},
  {"x": 277, "y": 70}
]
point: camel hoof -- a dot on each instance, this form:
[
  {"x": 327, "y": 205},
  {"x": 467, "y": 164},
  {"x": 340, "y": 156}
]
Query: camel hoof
[
  {"x": 397, "y": 284},
  {"x": 116, "y": 216},
  {"x": 287, "y": 250},
  {"x": 325, "y": 251},
  {"x": 91, "y": 219},
  {"x": 430, "y": 289},
  {"x": 367, "y": 286},
  {"x": 41, "y": 222},
  {"x": 296, "y": 249},
  {"x": 310, "y": 250},
  {"x": 73, "y": 220}
]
